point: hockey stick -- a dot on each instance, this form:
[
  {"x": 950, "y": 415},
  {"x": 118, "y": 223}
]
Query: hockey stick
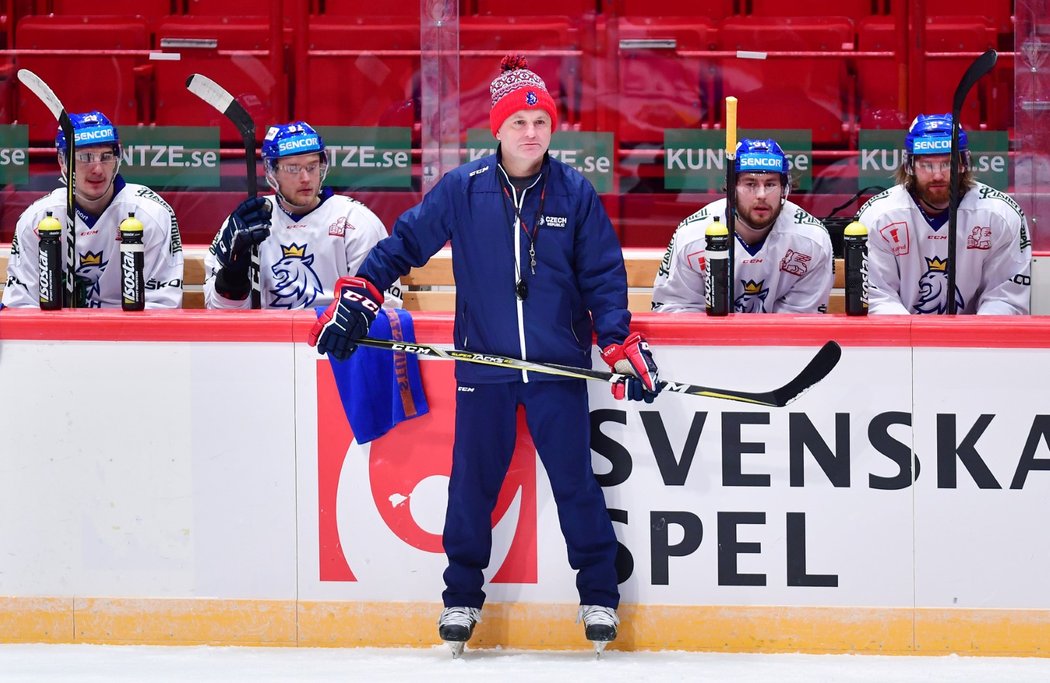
[
  {"x": 51, "y": 101},
  {"x": 980, "y": 66},
  {"x": 731, "y": 194},
  {"x": 218, "y": 97},
  {"x": 817, "y": 369}
]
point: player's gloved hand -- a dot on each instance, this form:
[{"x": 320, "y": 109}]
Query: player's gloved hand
[
  {"x": 634, "y": 359},
  {"x": 347, "y": 318},
  {"x": 248, "y": 225}
]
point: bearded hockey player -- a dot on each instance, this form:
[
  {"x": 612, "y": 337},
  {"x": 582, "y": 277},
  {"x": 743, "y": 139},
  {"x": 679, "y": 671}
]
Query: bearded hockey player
[
  {"x": 908, "y": 235},
  {"x": 308, "y": 236},
  {"x": 783, "y": 262},
  {"x": 103, "y": 200}
]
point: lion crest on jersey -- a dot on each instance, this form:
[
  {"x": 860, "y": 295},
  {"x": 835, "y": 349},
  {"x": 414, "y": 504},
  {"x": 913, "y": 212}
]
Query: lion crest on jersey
[
  {"x": 90, "y": 270},
  {"x": 296, "y": 285},
  {"x": 932, "y": 288},
  {"x": 753, "y": 297},
  {"x": 979, "y": 238}
]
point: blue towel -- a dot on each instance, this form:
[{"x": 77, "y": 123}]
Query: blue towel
[{"x": 380, "y": 388}]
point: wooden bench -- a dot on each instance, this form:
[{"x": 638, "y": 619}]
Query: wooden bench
[{"x": 432, "y": 287}]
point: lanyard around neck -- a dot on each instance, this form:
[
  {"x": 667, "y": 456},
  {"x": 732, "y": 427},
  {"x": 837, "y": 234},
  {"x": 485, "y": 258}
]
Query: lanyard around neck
[{"x": 534, "y": 233}]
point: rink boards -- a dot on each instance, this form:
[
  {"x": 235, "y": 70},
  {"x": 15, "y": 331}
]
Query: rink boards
[{"x": 189, "y": 477}]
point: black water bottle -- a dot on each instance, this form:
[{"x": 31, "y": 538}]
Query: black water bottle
[
  {"x": 133, "y": 287},
  {"x": 855, "y": 246},
  {"x": 716, "y": 281},
  {"x": 50, "y": 259}
]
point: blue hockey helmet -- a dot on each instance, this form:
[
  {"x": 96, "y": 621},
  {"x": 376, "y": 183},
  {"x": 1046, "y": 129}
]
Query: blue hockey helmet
[
  {"x": 932, "y": 134},
  {"x": 290, "y": 139},
  {"x": 89, "y": 129},
  {"x": 761, "y": 156}
]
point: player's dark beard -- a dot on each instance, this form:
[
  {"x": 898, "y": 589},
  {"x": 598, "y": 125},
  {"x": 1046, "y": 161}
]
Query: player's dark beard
[
  {"x": 933, "y": 199},
  {"x": 759, "y": 226}
]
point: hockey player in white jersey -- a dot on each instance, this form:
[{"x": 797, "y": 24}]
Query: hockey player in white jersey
[
  {"x": 308, "y": 236},
  {"x": 103, "y": 200},
  {"x": 783, "y": 259},
  {"x": 908, "y": 235}
]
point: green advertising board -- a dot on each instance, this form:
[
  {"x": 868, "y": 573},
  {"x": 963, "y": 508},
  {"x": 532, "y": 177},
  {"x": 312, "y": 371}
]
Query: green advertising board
[
  {"x": 881, "y": 152},
  {"x": 14, "y": 155},
  {"x": 695, "y": 159},
  {"x": 170, "y": 156},
  {"x": 368, "y": 157},
  {"x": 589, "y": 153}
]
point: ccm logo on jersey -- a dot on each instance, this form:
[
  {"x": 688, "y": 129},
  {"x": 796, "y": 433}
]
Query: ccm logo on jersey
[
  {"x": 554, "y": 221},
  {"x": 896, "y": 234},
  {"x": 979, "y": 238}
]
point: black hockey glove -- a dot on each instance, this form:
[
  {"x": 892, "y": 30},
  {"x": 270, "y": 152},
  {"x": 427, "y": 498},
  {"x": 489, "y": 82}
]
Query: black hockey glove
[
  {"x": 347, "y": 318},
  {"x": 248, "y": 225}
]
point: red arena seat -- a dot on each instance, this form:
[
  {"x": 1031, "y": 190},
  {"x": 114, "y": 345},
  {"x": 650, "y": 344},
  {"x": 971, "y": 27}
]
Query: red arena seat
[
  {"x": 706, "y": 9},
  {"x": 246, "y": 74},
  {"x": 878, "y": 82},
  {"x": 377, "y": 86},
  {"x": 812, "y": 92},
  {"x": 119, "y": 84},
  {"x": 551, "y": 46},
  {"x": 854, "y": 9},
  {"x": 661, "y": 88},
  {"x": 545, "y": 8},
  {"x": 150, "y": 10}
]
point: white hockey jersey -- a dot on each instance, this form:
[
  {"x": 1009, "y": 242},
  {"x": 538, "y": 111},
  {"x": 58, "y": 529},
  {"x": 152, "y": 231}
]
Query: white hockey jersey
[
  {"x": 791, "y": 271},
  {"x": 907, "y": 257},
  {"x": 304, "y": 255},
  {"x": 98, "y": 249}
]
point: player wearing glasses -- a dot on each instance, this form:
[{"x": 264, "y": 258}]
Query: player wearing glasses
[
  {"x": 308, "y": 236},
  {"x": 103, "y": 200},
  {"x": 783, "y": 258},
  {"x": 908, "y": 234}
]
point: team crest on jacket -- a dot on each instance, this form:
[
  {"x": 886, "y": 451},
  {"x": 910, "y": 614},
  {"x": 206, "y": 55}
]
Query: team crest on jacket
[
  {"x": 696, "y": 261},
  {"x": 339, "y": 228},
  {"x": 753, "y": 297},
  {"x": 295, "y": 284},
  {"x": 933, "y": 287},
  {"x": 795, "y": 262},
  {"x": 553, "y": 221},
  {"x": 979, "y": 238},
  {"x": 91, "y": 268},
  {"x": 897, "y": 236}
]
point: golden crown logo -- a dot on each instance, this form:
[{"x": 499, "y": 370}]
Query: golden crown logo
[
  {"x": 293, "y": 250},
  {"x": 752, "y": 287},
  {"x": 936, "y": 265},
  {"x": 90, "y": 259}
]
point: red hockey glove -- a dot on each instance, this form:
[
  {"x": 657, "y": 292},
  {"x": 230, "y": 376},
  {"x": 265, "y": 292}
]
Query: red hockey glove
[
  {"x": 633, "y": 358},
  {"x": 347, "y": 318}
]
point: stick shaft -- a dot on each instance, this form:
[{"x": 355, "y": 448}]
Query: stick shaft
[
  {"x": 818, "y": 368},
  {"x": 730, "y": 157},
  {"x": 977, "y": 69},
  {"x": 220, "y": 99}
]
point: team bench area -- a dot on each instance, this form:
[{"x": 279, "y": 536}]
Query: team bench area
[{"x": 432, "y": 287}]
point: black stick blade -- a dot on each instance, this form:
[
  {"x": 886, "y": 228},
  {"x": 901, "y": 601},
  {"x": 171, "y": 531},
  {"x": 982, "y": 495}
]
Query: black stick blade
[{"x": 977, "y": 69}]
